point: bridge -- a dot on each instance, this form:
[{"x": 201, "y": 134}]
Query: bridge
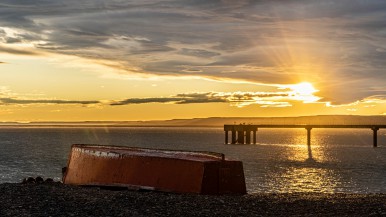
[{"x": 241, "y": 134}]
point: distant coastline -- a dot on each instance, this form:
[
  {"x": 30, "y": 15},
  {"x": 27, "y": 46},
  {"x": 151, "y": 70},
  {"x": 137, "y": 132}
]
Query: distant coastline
[{"x": 210, "y": 122}]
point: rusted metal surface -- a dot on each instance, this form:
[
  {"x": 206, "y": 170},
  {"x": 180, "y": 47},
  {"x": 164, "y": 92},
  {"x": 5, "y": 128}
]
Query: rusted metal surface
[{"x": 163, "y": 170}]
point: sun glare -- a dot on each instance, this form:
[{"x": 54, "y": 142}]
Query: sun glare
[
  {"x": 303, "y": 88},
  {"x": 304, "y": 92}
]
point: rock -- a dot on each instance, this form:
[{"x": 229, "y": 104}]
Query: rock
[
  {"x": 39, "y": 179},
  {"x": 30, "y": 180},
  {"x": 49, "y": 180},
  {"x": 24, "y": 181}
]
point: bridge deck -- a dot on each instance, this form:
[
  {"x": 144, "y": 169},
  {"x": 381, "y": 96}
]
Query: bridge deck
[{"x": 251, "y": 127}]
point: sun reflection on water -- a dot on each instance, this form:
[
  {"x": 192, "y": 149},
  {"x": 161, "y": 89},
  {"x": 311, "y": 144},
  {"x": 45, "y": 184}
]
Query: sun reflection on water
[
  {"x": 306, "y": 168},
  {"x": 308, "y": 179}
]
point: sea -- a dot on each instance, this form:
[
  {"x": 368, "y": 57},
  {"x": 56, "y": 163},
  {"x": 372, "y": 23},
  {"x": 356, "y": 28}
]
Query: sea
[{"x": 338, "y": 160}]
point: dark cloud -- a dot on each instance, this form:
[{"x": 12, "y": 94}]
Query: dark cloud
[
  {"x": 148, "y": 100},
  {"x": 17, "y": 51},
  {"x": 209, "y": 97},
  {"x": 10, "y": 40},
  {"x": 178, "y": 99},
  {"x": 183, "y": 98},
  {"x": 197, "y": 53},
  {"x": 40, "y": 101},
  {"x": 259, "y": 41}
]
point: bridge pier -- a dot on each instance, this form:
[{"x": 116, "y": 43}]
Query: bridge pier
[
  {"x": 240, "y": 134},
  {"x": 254, "y": 136},
  {"x": 233, "y": 137},
  {"x": 375, "y": 136},
  {"x": 240, "y": 137},
  {"x": 248, "y": 137},
  {"x": 308, "y": 135}
]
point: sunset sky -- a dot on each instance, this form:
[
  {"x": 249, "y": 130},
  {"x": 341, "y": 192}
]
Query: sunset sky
[{"x": 153, "y": 60}]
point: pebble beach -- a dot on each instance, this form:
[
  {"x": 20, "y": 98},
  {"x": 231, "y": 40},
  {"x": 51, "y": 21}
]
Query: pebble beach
[{"x": 56, "y": 199}]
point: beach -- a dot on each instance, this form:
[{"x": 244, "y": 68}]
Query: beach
[{"x": 56, "y": 199}]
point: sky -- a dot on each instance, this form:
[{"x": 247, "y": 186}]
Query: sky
[{"x": 100, "y": 60}]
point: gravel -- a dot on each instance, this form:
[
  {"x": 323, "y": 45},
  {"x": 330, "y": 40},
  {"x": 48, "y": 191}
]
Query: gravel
[{"x": 56, "y": 199}]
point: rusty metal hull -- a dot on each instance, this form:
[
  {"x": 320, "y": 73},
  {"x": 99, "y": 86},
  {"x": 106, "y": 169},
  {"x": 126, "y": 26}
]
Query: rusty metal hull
[{"x": 163, "y": 170}]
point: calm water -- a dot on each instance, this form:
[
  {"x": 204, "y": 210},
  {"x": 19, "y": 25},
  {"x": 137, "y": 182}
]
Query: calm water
[{"x": 340, "y": 160}]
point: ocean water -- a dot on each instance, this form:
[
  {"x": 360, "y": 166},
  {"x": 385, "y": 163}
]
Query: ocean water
[{"x": 339, "y": 160}]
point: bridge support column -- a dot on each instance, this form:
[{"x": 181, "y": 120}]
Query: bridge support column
[
  {"x": 233, "y": 137},
  {"x": 308, "y": 135},
  {"x": 375, "y": 138},
  {"x": 248, "y": 137},
  {"x": 240, "y": 137},
  {"x": 254, "y": 136},
  {"x": 226, "y": 136}
]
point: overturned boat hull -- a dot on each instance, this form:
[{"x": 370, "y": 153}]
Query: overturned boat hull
[{"x": 162, "y": 170}]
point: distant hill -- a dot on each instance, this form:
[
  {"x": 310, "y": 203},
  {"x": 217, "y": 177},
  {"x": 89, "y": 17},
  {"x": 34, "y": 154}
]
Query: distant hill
[
  {"x": 220, "y": 121},
  {"x": 323, "y": 119}
]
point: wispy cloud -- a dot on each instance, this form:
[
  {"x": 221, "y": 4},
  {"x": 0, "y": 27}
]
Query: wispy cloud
[
  {"x": 239, "y": 99},
  {"x": 235, "y": 98},
  {"x": 8, "y": 97},
  {"x": 18, "y": 51},
  {"x": 6, "y": 101},
  {"x": 340, "y": 45}
]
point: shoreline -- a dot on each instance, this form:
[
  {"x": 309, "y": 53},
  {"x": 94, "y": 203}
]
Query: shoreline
[{"x": 56, "y": 199}]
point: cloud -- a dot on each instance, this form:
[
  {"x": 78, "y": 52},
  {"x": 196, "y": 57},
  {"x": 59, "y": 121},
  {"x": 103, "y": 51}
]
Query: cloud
[
  {"x": 6, "y": 101},
  {"x": 8, "y": 97},
  {"x": 236, "y": 98},
  {"x": 240, "y": 99},
  {"x": 282, "y": 97},
  {"x": 17, "y": 51},
  {"x": 336, "y": 44},
  {"x": 197, "y": 53}
]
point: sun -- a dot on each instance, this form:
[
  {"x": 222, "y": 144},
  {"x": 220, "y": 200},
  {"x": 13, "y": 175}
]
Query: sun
[
  {"x": 303, "y": 92},
  {"x": 304, "y": 89}
]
